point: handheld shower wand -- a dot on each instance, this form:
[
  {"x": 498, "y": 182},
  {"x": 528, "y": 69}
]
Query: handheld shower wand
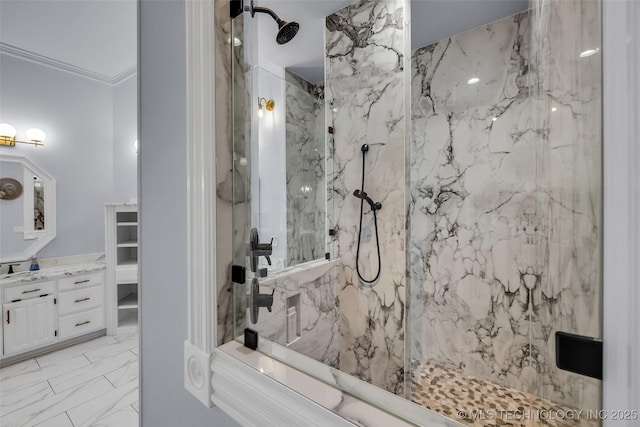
[{"x": 375, "y": 206}]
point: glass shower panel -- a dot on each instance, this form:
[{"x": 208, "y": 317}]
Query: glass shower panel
[
  {"x": 243, "y": 133},
  {"x": 567, "y": 112},
  {"x": 504, "y": 215}
]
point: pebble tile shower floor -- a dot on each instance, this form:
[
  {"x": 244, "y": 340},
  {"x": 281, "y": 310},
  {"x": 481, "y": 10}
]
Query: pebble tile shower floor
[{"x": 476, "y": 402}]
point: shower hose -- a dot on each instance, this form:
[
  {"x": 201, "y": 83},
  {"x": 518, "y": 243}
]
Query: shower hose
[{"x": 374, "y": 208}]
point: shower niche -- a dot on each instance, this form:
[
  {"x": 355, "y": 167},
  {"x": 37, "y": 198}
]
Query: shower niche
[{"x": 468, "y": 232}]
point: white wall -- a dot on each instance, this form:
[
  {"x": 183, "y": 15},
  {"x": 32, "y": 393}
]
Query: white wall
[
  {"x": 77, "y": 115},
  {"x": 90, "y": 129},
  {"x": 272, "y": 145},
  {"x": 125, "y": 132},
  {"x": 11, "y": 213},
  {"x": 163, "y": 212}
]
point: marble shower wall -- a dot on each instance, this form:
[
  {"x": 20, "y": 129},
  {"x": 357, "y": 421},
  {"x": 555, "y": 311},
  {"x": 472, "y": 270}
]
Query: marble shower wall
[
  {"x": 317, "y": 286},
  {"x": 305, "y": 170},
  {"x": 224, "y": 170},
  {"x": 505, "y": 201},
  {"x": 365, "y": 68}
]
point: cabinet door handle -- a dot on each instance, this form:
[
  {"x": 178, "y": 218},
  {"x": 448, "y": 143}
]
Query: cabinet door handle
[
  {"x": 81, "y": 281},
  {"x": 83, "y": 323},
  {"x": 32, "y": 290},
  {"x": 8, "y": 317},
  {"x": 83, "y": 299}
]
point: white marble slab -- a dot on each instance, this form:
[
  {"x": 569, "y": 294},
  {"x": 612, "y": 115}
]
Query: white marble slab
[
  {"x": 104, "y": 406},
  {"x": 74, "y": 350},
  {"x": 127, "y": 417},
  {"x": 124, "y": 374},
  {"x": 101, "y": 367},
  {"x": 505, "y": 200},
  {"x": 21, "y": 398},
  {"x": 51, "y": 273},
  {"x": 365, "y": 69},
  {"x": 355, "y": 410},
  {"x": 19, "y": 368},
  {"x": 317, "y": 285},
  {"x": 52, "y": 406},
  {"x": 110, "y": 349},
  {"x": 338, "y": 380},
  {"x": 61, "y": 420},
  {"x": 32, "y": 377}
]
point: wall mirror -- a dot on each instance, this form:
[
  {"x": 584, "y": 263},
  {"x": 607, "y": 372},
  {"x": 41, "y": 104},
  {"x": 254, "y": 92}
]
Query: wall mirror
[
  {"x": 28, "y": 223},
  {"x": 452, "y": 164}
]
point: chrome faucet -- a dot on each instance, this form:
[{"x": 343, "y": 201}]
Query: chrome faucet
[{"x": 259, "y": 249}]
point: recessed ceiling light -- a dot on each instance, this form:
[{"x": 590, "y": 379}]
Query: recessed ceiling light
[
  {"x": 473, "y": 80},
  {"x": 554, "y": 109},
  {"x": 588, "y": 52}
]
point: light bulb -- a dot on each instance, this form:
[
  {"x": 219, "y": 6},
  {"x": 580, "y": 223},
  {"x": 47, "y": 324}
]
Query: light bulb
[
  {"x": 7, "y": 130},
  {"x": 36, "y": 135},
  {"x": 260, "y": 111},
  {"x": 473, "y": 80}
]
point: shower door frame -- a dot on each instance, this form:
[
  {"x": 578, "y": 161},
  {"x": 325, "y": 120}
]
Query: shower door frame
[{"x": 214, "y": 377}]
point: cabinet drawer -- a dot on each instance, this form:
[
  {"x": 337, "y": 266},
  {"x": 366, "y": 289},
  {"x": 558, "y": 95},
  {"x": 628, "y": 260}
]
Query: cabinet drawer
[
  {"x": 80, "y": 300},
  {"x": 128, "y": 274},
  {"x": 28, "y": 291},
  {"x": 80, "y": 323},
  {"x": 80, "y": 281}
]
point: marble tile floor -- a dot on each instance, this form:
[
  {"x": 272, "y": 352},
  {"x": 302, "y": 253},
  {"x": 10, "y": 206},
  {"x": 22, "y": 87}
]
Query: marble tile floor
[
  {"x": 94, "y": 383},
  {"x": 476, "y": 402}
]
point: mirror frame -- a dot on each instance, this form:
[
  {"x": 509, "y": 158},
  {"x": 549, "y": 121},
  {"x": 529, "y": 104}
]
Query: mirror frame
[{"x": 40, "y": 238}]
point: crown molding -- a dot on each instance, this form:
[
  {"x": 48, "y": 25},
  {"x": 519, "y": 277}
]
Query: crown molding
[{"x": 26, "y": 55}]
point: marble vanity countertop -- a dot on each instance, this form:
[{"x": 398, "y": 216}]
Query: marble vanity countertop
[{"x": 51, "y": 273}]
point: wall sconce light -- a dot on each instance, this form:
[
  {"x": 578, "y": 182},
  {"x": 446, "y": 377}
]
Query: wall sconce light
[
  {"x": 8, "y": 136},
  {"x": 268, "y": 104}
]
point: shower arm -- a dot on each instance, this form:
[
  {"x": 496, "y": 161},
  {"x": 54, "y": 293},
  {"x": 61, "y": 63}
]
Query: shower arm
[{"x": 253, "y": 9}]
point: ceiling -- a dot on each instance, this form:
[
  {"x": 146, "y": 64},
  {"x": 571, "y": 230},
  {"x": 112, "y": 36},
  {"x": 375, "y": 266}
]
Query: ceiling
[
  {"x": 432, "y": 21},
  {"x": 97, "y": 38}
]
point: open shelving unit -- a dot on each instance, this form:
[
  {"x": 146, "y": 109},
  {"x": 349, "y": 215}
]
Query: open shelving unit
[{"x": 122, "y": 265}]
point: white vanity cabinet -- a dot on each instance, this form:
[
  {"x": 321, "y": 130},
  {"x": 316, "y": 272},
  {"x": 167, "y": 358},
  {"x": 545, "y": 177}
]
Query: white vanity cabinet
[
  {"x": 80, "y": 304},
  {"x": 29, "y": 317},
  {"x": 44, "y": 314}
]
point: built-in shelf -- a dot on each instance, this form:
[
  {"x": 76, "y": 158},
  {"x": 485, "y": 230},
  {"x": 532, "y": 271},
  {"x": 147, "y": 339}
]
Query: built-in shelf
[
  {"x": 130, "y": 320},
  {"x": 122, "y": 262},
  {"x": 128, "y": 302}
]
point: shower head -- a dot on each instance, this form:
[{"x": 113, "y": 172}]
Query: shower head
[{"x": 286, "y": 30}]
